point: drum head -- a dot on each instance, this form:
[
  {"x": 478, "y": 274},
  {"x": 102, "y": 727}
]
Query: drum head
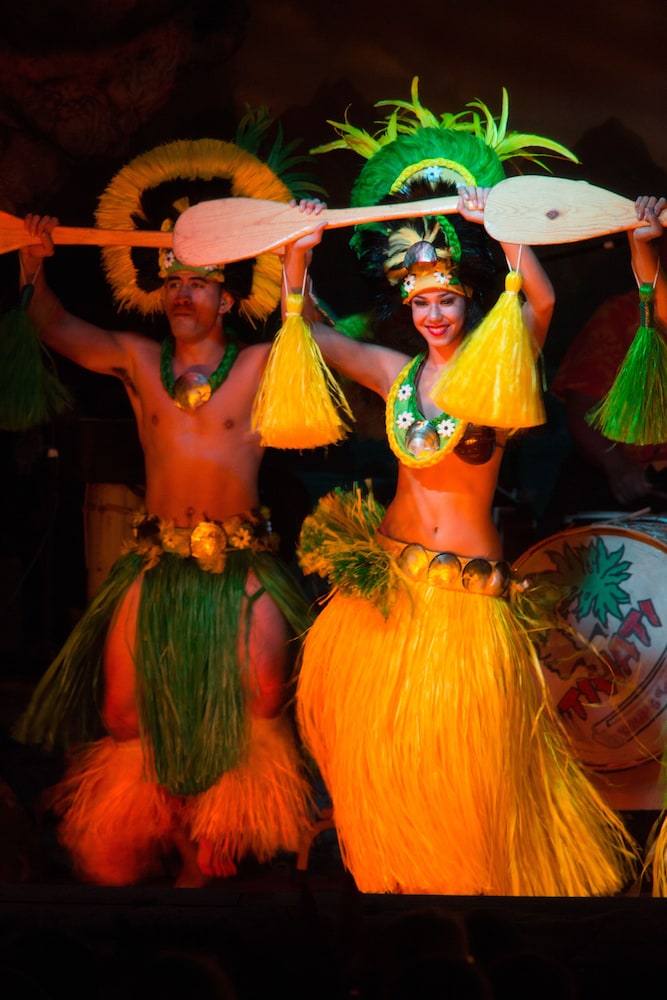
[{"x": 606, "y": 669}]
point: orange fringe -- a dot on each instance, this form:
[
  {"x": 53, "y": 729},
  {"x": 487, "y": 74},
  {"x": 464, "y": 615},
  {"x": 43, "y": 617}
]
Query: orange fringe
[
  {"x": 263, "y": 806},
  {"x": 116, "y": 825}
]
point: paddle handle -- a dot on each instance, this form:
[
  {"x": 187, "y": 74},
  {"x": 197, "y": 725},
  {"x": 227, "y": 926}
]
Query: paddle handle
[
  {"x": 14, "y": 236},
  {"x": 336, "y": 218},
  {"x": 82, "y": 236}
]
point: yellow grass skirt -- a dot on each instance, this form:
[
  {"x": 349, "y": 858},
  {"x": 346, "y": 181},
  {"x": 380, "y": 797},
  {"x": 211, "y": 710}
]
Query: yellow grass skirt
[{"x": 447, "y": 769}]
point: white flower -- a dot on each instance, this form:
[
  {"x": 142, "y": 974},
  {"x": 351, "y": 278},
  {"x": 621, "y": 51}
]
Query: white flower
[
  {"x": 404, "y": 392},
  {"x": 446, "y": 427},
  {"x": 404, "y": 420}
]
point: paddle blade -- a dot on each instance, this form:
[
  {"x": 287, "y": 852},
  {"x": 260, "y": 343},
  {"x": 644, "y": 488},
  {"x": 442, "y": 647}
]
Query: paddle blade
[
  {"x": 13, "y": 234},
  {"x": 229, "y": 229},
  {"x": 540, "y": 210}
]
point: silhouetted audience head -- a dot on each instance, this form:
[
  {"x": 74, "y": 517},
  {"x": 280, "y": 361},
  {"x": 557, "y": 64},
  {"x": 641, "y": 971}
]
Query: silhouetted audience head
[
  {"x": 523, "y": 975},
  {"x": 412, "y": 954}
]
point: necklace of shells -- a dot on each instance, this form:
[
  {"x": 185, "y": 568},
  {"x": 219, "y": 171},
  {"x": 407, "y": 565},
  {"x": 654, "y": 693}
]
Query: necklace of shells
[{"x": 192, "y": 389}]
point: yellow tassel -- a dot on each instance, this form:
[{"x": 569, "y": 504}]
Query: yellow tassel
[
  {"x": 299, "y": 403},
  {"x": 493, "y": 378}
]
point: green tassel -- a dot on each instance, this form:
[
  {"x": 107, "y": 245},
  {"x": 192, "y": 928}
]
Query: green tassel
[
  {"x": 337, "y": 542},
  {"x": 634, "y": 410},
  {"x": 30, "y": 391}
]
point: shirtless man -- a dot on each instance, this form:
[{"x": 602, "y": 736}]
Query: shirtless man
[{"x": 219, "y": 771}]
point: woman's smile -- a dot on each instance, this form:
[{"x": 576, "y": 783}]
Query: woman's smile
[{"x": 439, "y": 316}]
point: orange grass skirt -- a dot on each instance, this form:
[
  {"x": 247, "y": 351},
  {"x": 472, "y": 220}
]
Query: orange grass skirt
[
  {"x": 120, "y": 828},
  {"x": 447, "y": 770}
]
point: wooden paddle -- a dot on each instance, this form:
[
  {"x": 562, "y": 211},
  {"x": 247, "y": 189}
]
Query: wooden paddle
[
  {"x": 539, "y": 210},
  {"x": 14, "y": 235},
  {"x": 529, "y": 209},
  {"x": 238, "y": 228}
]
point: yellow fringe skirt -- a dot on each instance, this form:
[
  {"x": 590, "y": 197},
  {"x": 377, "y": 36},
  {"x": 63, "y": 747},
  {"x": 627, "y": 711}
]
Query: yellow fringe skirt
[
  {"x": 447, "y": 770},
  {"x": 656, "y": 860}
]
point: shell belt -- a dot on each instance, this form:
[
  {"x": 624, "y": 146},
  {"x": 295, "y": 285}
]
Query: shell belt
[
  {"x": 209, "y": 542},
  {"x": 447, "y": 570}
]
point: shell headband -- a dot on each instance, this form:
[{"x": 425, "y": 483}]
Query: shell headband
[{"x": 423, "y": 263}]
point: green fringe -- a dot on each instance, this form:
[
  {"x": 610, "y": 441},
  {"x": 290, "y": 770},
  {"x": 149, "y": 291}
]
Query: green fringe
[
  {"x": 634, "y": 411},
  {"x": 338, "y": 543},
  {"x": 65, "y": 708},
  {"x": 190, "y": 697},
  {"x": 189, "y": 690},
  {"x": 30, "y": 391}
]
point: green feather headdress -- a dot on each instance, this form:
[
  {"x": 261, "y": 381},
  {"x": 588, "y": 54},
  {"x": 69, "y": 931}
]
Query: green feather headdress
[
  {"x": 413, "y": 144},
  {"x": 416, "y": 154}
]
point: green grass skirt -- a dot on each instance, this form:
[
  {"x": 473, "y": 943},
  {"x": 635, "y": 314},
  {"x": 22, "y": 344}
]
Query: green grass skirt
[{"x": 193, "y": 721}]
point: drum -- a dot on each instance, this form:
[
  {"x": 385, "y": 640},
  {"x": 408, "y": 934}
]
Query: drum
[
  {"x": 107, "y": 516},
  {"x": 606, "y": 668}
]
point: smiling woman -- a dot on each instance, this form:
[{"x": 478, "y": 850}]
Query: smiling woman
[{"x": 420, "y": 695}]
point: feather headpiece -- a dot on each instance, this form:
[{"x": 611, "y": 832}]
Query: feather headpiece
[{"x": 153, "y": 189}]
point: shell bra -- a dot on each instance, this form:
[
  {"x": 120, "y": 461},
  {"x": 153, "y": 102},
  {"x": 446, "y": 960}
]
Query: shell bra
[{"x": 420, "y": 443}]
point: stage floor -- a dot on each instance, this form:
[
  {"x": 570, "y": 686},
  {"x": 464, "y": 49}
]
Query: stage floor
[{"x": 315, "y": 938}]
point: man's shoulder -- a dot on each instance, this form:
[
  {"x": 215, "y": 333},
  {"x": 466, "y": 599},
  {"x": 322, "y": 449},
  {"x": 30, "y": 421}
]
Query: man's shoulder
[
  {"x": 252, "y": 355},
  {"x": 138, "y": 343}
]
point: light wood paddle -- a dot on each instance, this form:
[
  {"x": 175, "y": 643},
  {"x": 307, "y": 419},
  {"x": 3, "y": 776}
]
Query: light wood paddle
[
  {"x": 14, "y": 235},
  {"x": 238, "y": 228},
  {"x": 540, "y": 210},
  {"x": 528, "y": 209}
]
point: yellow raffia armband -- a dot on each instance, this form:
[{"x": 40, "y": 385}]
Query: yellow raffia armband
[
  {"x": 299, "y": 403},
  {"x": 493, "y": 378}
]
